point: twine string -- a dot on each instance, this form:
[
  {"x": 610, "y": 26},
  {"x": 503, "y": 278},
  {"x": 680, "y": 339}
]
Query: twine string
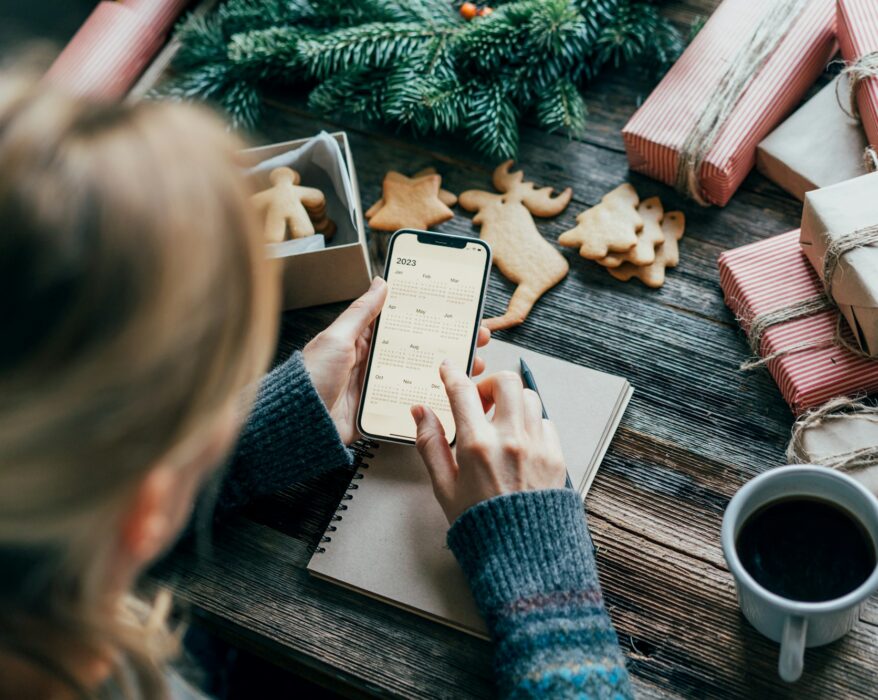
[
  {"x": 742, "y": 67},
  {"x": 842, "y": 408},
  {"x": 865, "y": 67},
  {"x": 838, "y": 247}
]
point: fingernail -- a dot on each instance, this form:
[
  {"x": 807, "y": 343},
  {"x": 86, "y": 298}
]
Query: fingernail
[
  {"x": 446, "y": 363},
  {"x": 417, "y": 413},
  {"x": 376, "y": 281}
]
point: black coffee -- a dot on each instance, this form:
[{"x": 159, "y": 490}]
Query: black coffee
[{"x": 806, "y": 549}]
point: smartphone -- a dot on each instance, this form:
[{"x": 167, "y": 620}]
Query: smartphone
[{"x": 435, "y": 293}]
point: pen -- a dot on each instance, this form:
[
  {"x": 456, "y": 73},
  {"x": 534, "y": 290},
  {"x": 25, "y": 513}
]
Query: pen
[{"x": 528, "y": 378}]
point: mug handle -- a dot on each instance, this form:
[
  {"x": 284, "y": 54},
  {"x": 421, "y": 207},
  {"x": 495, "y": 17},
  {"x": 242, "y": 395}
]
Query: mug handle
[{"x": 792, "y": 648}]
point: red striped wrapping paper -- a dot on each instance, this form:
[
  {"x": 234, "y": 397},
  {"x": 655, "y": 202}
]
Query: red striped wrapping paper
[
  {"x": 770, "y": 274},
  {"x": 858, "y": 36},
  {"x": 114, "y": 46},
  {"x": 657, "y": 130}
]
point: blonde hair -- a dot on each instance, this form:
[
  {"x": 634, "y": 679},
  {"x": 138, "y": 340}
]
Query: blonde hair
[{"x": 135, "y": 302}]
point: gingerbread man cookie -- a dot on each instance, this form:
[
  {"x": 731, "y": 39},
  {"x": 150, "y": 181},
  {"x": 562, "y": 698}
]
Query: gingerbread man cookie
[
  {"x": 411, "y": 202},
  {"x": 520, "y": 252},
  {"x": 288, "y": 205},
  {"x": 666, "y": 255},
  {"x": 608, "y": 227},
  {"x": 648, "y": 238}
]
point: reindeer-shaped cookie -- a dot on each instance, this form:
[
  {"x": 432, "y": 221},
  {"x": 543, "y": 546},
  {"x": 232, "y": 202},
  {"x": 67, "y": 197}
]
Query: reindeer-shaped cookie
[{"x": 520, "y": 252}]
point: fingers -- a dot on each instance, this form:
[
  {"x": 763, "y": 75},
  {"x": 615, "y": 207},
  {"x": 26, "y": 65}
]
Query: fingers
[
  {"x": 434, "y": 450},
  {"x": 483, "y": 336},
  {"x": 356, "y": 319},
  {"x": 463, "y": 397},
  {"x": 533, "y": 414},
  {"x": 505, "y": 391},
  {"x": 478, "y": 366}
]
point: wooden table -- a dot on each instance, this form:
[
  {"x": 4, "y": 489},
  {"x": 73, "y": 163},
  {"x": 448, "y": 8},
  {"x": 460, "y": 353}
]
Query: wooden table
[{"x": 696, "y": 430}]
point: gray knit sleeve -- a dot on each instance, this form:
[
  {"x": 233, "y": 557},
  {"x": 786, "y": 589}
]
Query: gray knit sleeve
[
  {"x": 288, "y": 437},
  {"x": 529, "y": 560}
]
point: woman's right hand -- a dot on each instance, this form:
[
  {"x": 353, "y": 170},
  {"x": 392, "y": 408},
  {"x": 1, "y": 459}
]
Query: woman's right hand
[{"x": 517, "y": 450}]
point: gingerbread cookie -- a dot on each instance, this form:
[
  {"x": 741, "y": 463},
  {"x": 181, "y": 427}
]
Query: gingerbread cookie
[
  {"x": 648, "y": 238},
  {"x": 411, "y": 202},
  {"x": 520, "y": 252},
  {"x": 288, "y": 205},
  {"x": 666, "y": 255},
  {"x": 608, "y": 227}
]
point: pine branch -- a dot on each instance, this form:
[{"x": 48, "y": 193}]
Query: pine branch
[
  {"x": 493, "y": 124},
  {"x": 357, "y": 92},
  {"x": 638, "y": 33},
  {"x": 372, "y": 45},
  {"x": 266, "y": 53},
  {"x": 243, "y": 103},
  {"x": 418, "y": 63},
  {"x": 561, "y": 107}
]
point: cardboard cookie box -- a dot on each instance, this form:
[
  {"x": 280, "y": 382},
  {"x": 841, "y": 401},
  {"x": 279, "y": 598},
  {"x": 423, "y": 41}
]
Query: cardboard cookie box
[{"x": 317, "y": 271}]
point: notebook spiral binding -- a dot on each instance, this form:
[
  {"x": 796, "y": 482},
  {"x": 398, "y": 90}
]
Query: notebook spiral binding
[{"x": 362, "y": 450}]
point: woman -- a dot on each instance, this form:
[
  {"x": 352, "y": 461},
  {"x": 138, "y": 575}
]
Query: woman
[{"x": 138, "y": 310}]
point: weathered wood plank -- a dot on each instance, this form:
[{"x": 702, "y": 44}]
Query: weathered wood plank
[{"x": 686, "y": 631}]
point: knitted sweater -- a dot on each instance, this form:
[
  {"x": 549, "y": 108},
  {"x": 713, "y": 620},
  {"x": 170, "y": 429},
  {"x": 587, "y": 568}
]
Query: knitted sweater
[{"x": 528, "y": 556}]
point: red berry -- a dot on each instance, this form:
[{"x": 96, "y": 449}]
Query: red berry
[
  {"x": 468, "y": 10},
  {"x": 485, "y": 11}
]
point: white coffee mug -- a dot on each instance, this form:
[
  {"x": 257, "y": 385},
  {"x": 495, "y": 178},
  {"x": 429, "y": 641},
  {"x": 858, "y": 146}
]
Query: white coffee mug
[{"x": 795, "y": 624}]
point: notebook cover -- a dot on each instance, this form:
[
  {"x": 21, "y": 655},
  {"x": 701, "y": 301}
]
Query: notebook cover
[{"x": 390, "y": 544}]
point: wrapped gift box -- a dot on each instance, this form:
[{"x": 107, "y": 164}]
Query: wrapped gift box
[
  {"x": 818, "y": 146},
  {"x": 114, "y": 46},
  {"x": 837, "y": 211},
  {"x": 340, "y": 271},
  {"x": 857, "y": 37},
  {"x": 656, "y": 133},
  {"x": 768, "y": 275}
]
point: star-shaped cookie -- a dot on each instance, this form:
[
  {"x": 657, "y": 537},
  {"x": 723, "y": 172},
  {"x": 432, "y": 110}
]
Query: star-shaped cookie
[{"x": 411, "y": 202}]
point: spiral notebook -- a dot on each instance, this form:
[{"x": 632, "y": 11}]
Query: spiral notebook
[{"x": 387, "y": 540}]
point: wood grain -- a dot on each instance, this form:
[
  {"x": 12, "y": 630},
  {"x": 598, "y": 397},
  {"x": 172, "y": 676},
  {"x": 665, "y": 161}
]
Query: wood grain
[{"x": 697, "y": 428}]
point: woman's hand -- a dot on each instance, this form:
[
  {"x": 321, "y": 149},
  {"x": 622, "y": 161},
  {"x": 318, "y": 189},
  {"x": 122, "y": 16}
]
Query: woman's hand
[
  {"x": 336, "y": 358},
  {"x": 516, "y": 451}
]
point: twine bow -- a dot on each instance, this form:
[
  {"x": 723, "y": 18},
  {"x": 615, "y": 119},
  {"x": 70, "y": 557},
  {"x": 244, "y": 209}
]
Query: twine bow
[
  {"x": 839, "y": 409},
  {"x": 863, "y": 68},
  {"x": 838, "y": 247}
]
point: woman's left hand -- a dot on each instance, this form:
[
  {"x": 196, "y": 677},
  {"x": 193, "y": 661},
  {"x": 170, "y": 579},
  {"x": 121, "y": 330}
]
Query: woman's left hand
[{"x": 336, "y": 358}]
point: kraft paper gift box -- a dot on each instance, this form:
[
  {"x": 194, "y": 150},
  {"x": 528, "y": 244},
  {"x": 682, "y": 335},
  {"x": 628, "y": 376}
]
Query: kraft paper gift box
[
  {"x": 769, "y": 275},
  {"x": 818, "y": 146},
  {"x": 341, "y": 270},
  {"x": 858, "y": 38},
  {"x": 834, "y": 212},
  {"x": 838, "y": 435},
  {"x": 799, "y": 41}
]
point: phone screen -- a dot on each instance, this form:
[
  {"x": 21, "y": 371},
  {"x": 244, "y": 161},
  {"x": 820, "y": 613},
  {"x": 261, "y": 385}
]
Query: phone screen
[{"x": 435, "y": 289}]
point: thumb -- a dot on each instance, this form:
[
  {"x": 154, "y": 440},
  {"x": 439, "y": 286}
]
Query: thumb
[
  {"x": 435, "y": 451},
  {"x": 355, "y": 319}
]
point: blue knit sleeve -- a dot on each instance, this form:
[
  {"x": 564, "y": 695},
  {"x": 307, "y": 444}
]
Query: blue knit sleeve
[
  {"x": 288, "y": 437},
  {"x": 529, "y": 560}
]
